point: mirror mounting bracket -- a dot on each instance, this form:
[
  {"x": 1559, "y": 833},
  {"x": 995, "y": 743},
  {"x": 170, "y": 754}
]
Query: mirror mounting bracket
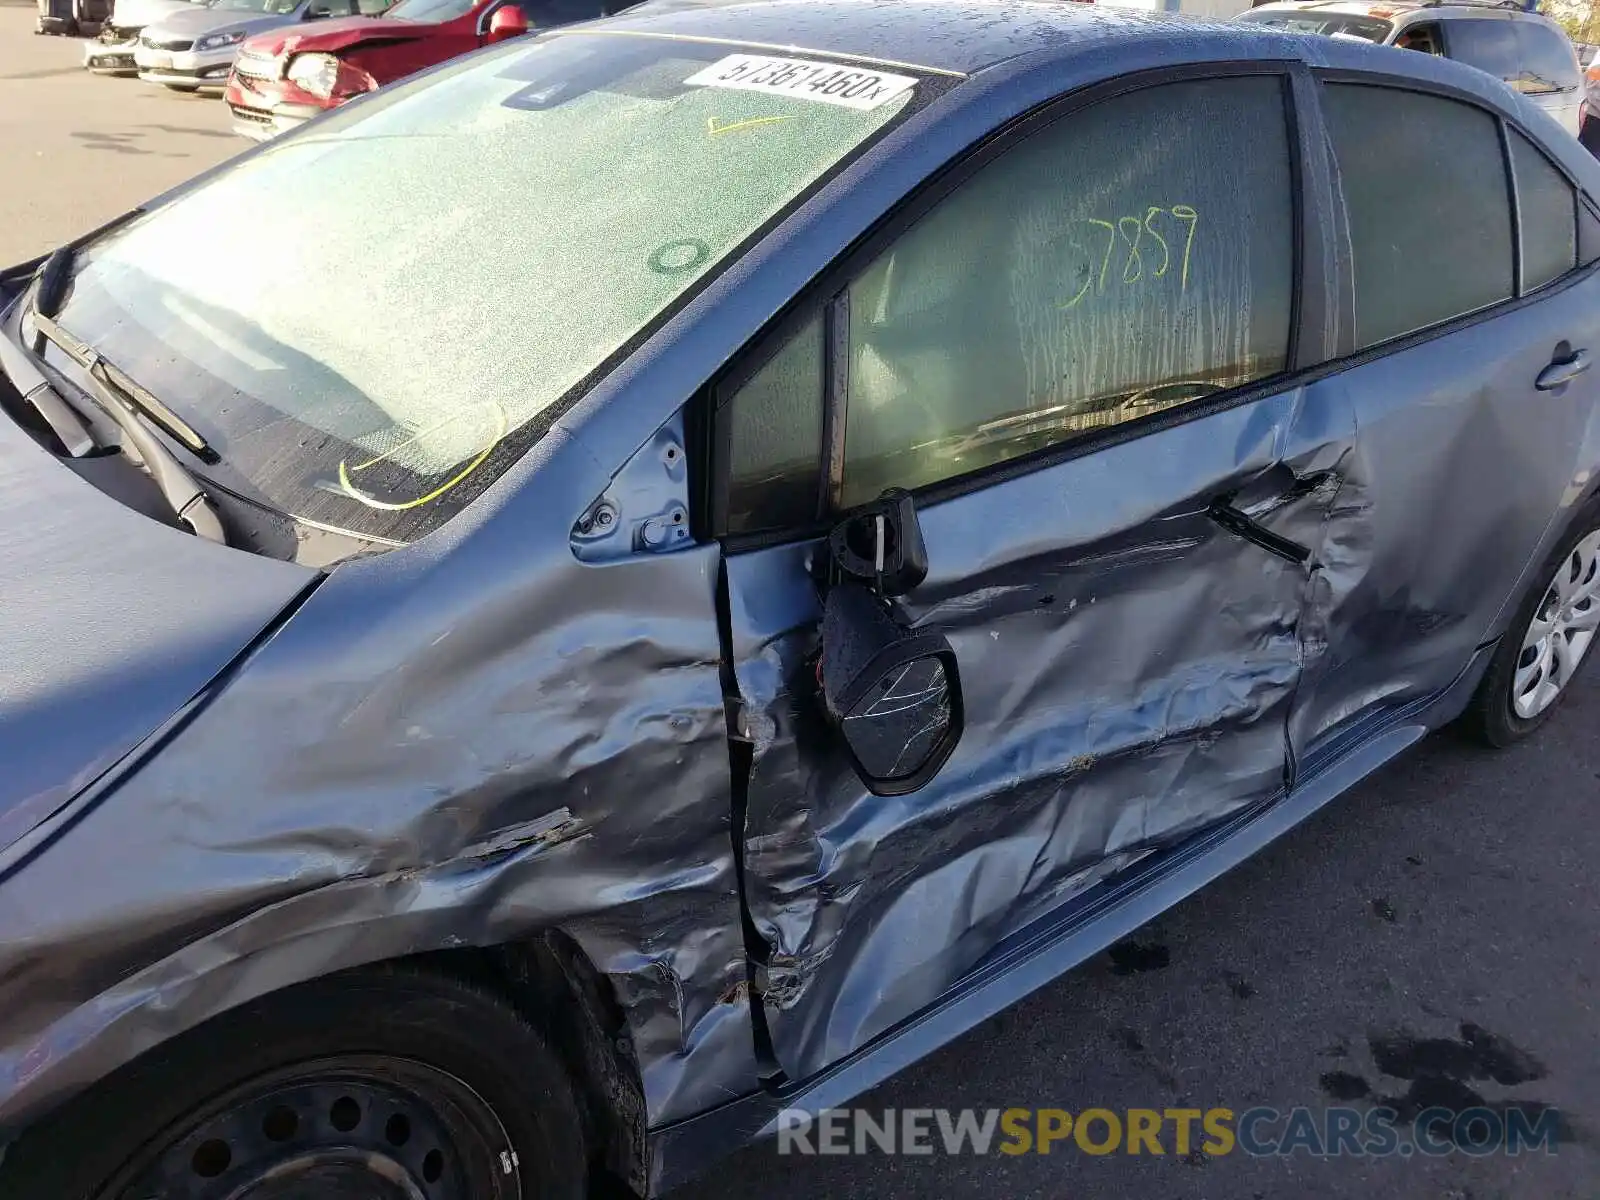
[{"x": 880, "y": 544}]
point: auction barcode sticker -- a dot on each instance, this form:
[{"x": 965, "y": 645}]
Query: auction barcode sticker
[{"x": 830, "y": 83}]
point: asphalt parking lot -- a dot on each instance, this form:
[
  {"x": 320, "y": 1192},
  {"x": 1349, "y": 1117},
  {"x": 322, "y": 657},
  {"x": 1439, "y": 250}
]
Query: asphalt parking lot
[
  {"x": 77, "y": 150},
  {"x": 1432, "y": 938}
]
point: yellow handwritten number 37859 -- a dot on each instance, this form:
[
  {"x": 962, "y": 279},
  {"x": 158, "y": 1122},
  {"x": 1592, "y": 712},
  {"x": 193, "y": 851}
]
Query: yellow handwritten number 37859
[{"x": 1131, "y": 231}]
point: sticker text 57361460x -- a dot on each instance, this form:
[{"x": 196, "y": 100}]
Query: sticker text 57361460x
[{"x": 828, "y": 83}]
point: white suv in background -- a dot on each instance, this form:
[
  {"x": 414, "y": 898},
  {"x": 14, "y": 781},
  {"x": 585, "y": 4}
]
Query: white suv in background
[{"x": 1530, "y": 52}]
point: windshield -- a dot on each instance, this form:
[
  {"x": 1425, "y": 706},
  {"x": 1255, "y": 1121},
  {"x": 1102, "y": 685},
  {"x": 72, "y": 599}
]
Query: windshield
[
  {"x": 1369, "y": 29},
  {"x": 278, "y": 7},
  {"x": 434, "y": 12},
  {"x": 372, "y": 319}
]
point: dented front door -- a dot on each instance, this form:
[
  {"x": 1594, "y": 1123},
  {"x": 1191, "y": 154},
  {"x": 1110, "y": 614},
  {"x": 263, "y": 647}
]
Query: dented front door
[
  {"x": 1082, "y": 358},
  {"x": 1127, "y": 664}
]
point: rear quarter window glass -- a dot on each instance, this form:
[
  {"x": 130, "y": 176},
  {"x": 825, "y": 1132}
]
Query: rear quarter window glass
[
  {"x": 1588, "y": 235},
  {"x": 1430, "y": 213},
  {"x": 1488, "y": 45},
  {"x": 1548, "y": 207}
]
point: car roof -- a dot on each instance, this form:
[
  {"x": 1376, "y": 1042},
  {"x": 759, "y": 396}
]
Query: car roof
[
  {"x": 957, "y": 36},
  {"x": 1055, "y": 44},
  {"x": 965, "y": 36}
]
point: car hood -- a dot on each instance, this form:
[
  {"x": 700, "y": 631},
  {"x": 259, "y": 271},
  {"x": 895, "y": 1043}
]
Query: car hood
[
  {"x": 136, "y": 14},
  {"x": 328, "y": 36},
  {"x": 111, "y": 623},
  {"x": 196, "y": 22}
]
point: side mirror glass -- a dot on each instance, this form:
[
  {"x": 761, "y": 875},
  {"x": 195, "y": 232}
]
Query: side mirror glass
[
  {"x": 508, "y": 21},
  {"x": 893, "y": 693}
]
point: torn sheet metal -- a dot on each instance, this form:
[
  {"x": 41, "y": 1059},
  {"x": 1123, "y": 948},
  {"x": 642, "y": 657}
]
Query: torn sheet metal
[
  {"x": 414, "y": 762},
  {"x": 1128, "y": 667}
]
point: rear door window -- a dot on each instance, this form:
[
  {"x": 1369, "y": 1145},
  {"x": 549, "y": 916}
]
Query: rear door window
[
  {"x": 1548, "y": 64},
  {"x": 1425, "y": 185},
  {"x": 1486, "y": 44}
]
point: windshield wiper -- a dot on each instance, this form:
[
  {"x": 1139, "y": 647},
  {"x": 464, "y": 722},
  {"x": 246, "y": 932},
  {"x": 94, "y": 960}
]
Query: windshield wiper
[
  {"x": 65, "y": 421},
  {"x": 131, "y": 393},
  {"x": 183, "y": 493}
]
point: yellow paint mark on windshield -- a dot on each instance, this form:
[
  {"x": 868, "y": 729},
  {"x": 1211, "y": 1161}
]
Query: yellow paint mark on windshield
[
  {"x": 355, "y": 493},
  {"x": 712, "y": 128}
]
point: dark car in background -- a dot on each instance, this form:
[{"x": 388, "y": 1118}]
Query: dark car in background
[
  {"x": 284, "y": 78},
  {"x": 79, "y": 18},
  {"x": 697, "y": 557}
]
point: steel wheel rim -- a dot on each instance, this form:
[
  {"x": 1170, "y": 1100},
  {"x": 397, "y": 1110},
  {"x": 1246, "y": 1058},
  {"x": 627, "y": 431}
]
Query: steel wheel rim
[
  {"x": 1560, "y": 633},
  {"x": 356, "y": 1128}
]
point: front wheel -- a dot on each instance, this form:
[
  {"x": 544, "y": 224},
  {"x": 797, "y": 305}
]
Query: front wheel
[
  {"x": 187, "y": 89},
  {"x": 1549, "y": 639},
  {"x": 388, "y": 1085}
]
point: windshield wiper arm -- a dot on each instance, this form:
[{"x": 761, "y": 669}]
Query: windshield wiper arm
[
  {"x": 66, "y": 422},
  {"x": 131, "y": 393},
  {"x": 182, "y": 492}
]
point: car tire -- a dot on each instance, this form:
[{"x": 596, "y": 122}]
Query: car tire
[
  {"x": 1547, "y": 642},
  {"x": 187, "y": 89},
  {"x": 346, "y": 1080}
]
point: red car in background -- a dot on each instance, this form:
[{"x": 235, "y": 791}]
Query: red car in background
[{"x": 283, "y": 78}]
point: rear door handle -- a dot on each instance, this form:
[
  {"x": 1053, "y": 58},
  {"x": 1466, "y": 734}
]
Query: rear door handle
[{"x": 1563, "y": 370}]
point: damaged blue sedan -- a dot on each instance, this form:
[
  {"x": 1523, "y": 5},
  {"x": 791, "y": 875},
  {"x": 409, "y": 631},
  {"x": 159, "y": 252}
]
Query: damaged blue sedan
[{"x": 696, "y": 557}]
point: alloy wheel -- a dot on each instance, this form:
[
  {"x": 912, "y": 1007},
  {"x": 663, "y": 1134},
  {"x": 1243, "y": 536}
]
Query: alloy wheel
[{"x": 1559, "y": 635}]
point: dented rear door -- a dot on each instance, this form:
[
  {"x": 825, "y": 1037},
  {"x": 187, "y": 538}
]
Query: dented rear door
[{"x": 1080, "y": 354}]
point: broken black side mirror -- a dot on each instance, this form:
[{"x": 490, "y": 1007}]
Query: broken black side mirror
[
  {"x": 880, "y": 544},
  {"x": 894, "y": 694}
]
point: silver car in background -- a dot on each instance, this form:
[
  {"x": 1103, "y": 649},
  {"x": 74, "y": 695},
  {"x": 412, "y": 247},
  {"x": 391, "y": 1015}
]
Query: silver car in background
[
  {"x": 111, "y": 53},
  {"x": 1530, "y": 53},
  {"x": 193, "y": 50}
]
